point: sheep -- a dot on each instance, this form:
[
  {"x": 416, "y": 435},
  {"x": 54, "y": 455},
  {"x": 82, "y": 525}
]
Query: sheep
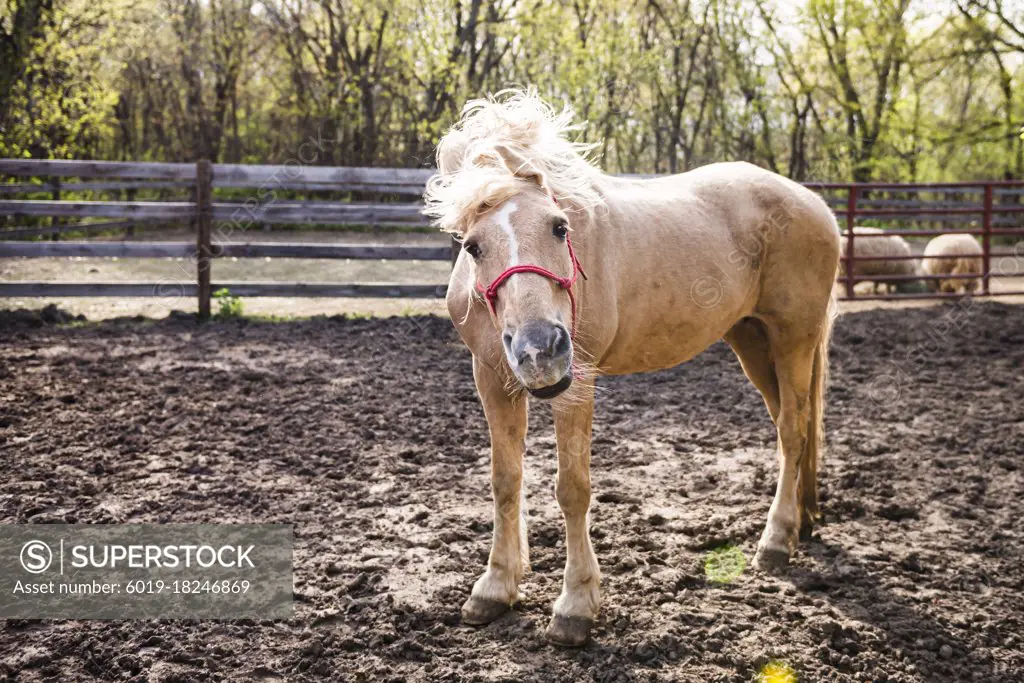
[
  {"x": 959, "y": 255},
  {"x": 892, "y": 245}
]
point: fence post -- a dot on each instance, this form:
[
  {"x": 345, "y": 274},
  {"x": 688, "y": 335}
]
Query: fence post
[
  {"x": 851, "y": 215},
  {"x": 204, "y": 219},
  {"x": 986, "y": 239},
  {"x": 129, "y": 230},
  {"x": 55, "y": 222}
]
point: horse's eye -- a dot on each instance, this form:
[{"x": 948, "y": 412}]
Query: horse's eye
[
  {"x": 560, "y": 229},
  {"x": 472, "y": 248}
]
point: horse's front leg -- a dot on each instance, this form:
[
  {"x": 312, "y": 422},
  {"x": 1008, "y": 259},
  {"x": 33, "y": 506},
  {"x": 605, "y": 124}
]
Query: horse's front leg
[
  {"x": 577, "y": 607},
  {"x": 496, "y": 591}
]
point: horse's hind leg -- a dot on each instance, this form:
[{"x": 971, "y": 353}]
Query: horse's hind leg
[
  {"x": 749, "y": 341},
  {"x": 794, "y": 362},
  {"x": 577, "y": 607},
  {"x": 496, "y": 591}
]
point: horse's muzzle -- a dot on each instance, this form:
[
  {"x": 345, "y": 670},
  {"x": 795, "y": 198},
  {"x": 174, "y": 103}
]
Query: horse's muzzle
[{"x": 540, "y": 354}]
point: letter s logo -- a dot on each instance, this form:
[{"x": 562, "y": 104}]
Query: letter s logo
[{"x": 36, "y": 557}]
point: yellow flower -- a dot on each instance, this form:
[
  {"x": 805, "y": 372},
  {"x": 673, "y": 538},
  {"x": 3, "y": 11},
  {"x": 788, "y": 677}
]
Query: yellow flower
[{"x": 777, "y": 672}]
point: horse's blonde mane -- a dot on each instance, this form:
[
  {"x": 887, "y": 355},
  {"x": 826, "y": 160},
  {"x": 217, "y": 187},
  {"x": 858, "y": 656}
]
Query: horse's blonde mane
[{"x": 471, "y": 176}]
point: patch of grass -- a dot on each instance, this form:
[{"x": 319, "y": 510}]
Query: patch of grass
[
  {"x": 228, "y": 306},
  {"x": 274, "y": 318},
  {"x": 725, "y": 564}
]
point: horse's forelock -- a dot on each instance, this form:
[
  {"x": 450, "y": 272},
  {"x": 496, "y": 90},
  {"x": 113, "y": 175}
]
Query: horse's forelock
[
  {"x": 455, "y": 199},
  {"x": 471, "y": 174}
]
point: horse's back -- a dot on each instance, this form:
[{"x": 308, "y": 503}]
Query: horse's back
[
  {"x": 698, "y": 251},
  {"x": 795, "y": 225},
  {"x": 742, "y": 198},
  {"x": 773, "y": 222},
  {"x": 763, "y": 193}
]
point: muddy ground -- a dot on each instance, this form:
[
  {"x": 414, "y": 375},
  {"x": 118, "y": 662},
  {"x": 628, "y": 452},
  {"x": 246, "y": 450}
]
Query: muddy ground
[{"x": 367, "y": 437}]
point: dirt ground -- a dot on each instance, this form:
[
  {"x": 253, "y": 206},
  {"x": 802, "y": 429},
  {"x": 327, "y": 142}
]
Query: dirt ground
[{"x": 366, "y": 435}]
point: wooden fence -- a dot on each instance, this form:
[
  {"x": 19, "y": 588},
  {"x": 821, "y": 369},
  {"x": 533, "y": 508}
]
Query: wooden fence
[
  {"x": 217, "y": 224},
  {"x": 985, "y": 209}
]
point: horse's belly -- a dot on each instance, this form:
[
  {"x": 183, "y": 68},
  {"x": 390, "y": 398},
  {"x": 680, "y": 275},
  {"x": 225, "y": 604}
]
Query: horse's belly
[{"x": 661, "y": 345}]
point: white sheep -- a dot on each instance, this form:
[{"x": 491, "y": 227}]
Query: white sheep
[
  {"x": 892, "y": 245},
  {"x": 958, "y": 255}
]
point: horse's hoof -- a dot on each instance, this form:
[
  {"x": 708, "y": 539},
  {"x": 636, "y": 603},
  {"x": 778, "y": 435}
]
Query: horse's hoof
[
  {"x": 480, "y": 611},
  {"x": 771, "y": 559},
  {"x": 569, "y": 631}
]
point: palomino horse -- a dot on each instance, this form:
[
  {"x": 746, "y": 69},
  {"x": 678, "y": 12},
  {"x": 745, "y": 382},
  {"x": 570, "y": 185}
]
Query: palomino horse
[{"x": 566, "y": 273}]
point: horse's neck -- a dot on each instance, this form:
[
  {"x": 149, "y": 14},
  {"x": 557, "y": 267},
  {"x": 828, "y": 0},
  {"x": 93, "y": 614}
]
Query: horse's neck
[{"x": 619, "y": 195}]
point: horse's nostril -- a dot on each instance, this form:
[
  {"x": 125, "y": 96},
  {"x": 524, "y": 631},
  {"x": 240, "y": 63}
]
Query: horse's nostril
[
  {"x": 561, "y": 344},
  {"x": 507, "y": 340}
]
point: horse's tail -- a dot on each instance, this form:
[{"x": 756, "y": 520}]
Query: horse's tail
[{"x": 816, "y": 428}]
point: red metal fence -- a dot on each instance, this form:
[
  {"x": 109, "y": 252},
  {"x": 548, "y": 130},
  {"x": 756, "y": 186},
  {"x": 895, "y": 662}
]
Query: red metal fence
[{"x": 988, "y": 210}]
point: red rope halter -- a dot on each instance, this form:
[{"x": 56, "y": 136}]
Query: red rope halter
[{"x": 490, "y": 292}]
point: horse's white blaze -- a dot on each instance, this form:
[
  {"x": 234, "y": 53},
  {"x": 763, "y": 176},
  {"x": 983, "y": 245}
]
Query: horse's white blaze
[
  {"x": 503, "y": 219},
  {"x": 504, "y": 214}
]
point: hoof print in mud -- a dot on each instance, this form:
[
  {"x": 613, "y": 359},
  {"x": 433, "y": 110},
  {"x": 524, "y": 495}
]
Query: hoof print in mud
[
  {"x": 569, "y": 631},
  {"x": 480, "y": 612}
]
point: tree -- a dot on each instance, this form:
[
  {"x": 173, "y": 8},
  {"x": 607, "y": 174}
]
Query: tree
[
  {"x": 1000, "y": 36},
  {"x": 850, "y": 33},
  {"x": 21, "y": 29},
  {"x": 827, "y": 89}
]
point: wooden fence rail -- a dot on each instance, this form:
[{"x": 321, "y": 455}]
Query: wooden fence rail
[
  {"x": 121, "y": 185},
  {"x": 985, "y": 209},
  {"x": 66, "y": 227},
  {"x": 323, "y": 213},
  {"x": 34, "y": 168},
  {"x": 175, "y": 289},
  {"x": 154, "y": 211},
  {"x": 373, "y": 252}
]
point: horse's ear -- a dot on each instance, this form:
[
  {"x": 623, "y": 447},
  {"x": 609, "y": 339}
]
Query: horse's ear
[{"x": 520, "y": 166}]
